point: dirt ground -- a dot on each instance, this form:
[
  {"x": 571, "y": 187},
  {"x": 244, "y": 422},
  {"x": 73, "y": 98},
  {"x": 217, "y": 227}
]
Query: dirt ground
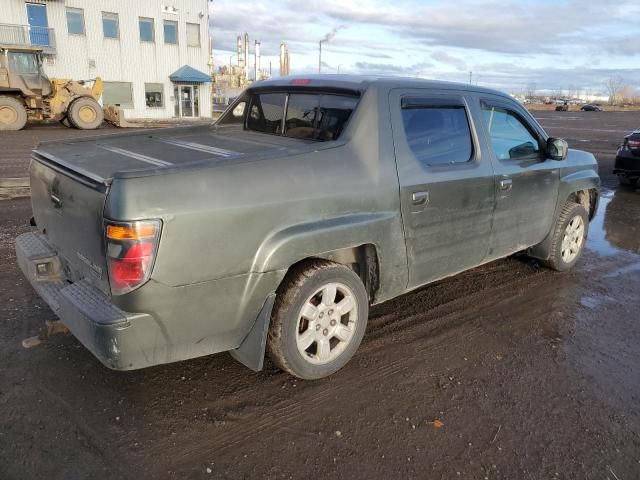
[{"x": 507, "y": 371}]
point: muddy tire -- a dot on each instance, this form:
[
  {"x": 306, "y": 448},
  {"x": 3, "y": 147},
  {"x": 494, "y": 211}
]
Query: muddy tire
[
  {"x": 65, "y": 121},
  {"x": 13, "y": 114},
  {"x": 569, "y": 237},
  {"x": 318, "y": 320},
  {"x": 85, "y": 113}
]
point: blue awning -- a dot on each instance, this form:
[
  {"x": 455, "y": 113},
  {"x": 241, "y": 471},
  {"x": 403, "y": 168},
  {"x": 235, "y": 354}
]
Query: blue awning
[{"x": 190, "y": 75}]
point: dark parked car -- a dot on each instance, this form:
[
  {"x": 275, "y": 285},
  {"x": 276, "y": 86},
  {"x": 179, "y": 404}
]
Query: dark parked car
[
  {"x": 591, "y": 108},
  {"x": 627, "y": 165}
]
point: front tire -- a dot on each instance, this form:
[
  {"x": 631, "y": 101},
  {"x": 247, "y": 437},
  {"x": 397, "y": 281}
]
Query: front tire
[
  {"x": 13, "y": 114},
  {"x": 569, "y": 237},
  {"x": 85, "y": 114},
  {"x": 318, "y": 320}
]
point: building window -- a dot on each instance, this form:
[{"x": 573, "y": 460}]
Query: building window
[
  {"x": 154, "y": 95},
  {"x": 118, "y": 93},
  {"x": 193, "y": 34},
  {"x": 171, "y": 32},
  {"x": 147, "y": 30},
  {"x": 110, "y": 25},
  {"x": 75, "y": 21}
]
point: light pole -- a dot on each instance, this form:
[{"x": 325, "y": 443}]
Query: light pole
[{"x": 320, "y": 56}]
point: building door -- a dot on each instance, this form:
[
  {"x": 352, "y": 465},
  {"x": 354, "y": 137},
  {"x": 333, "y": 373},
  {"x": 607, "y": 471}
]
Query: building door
[
  {"x": 38, "y": 24},
  {"x": 186, "y": 101}
]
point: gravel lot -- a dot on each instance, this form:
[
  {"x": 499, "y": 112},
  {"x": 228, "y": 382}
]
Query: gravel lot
[{"x": 506, "y": 371}]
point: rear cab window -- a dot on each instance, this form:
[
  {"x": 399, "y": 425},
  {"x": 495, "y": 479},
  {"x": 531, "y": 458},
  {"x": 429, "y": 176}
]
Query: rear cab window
[
  {"x": 319, "y": 116},
  {"x": 437, "y": 130}
]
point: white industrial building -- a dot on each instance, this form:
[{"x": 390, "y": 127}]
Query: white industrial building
[{"x": 153, "y": 55}]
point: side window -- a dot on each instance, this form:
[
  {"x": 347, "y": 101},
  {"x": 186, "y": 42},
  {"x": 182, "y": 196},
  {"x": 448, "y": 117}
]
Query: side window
[
  {"x": 510, "y": 137},
  {"x": 438, "y": 134}
]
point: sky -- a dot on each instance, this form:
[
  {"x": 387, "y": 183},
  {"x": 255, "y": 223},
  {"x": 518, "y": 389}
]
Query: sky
[{"x": 511, "y": 45}]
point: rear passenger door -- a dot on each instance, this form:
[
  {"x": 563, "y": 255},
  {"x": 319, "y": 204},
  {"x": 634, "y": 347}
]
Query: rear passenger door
[
  {"x": 446, "y": 186},
  {"x": 526, "y": 180}
]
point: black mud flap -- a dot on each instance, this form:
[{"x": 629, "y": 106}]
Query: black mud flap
[{"x": 252, "y": 349}]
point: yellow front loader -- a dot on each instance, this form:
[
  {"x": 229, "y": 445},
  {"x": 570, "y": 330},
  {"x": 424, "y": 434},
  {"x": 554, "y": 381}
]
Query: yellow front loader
[{"x": 26, "y": 93}]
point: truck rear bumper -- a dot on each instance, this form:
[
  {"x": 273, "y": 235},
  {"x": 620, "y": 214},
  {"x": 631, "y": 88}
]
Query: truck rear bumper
[{"x": 120, "y": 340}]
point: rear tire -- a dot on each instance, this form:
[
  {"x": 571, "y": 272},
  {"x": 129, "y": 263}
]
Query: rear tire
[
  {"x": 569, "y": 237},
  {"x": 85, "y": 113},
  {"x": 13, "y": 114},
  {"x": 318, "y": 320}
]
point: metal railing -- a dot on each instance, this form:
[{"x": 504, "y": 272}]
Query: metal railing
[{"x": 27, "y": 35}]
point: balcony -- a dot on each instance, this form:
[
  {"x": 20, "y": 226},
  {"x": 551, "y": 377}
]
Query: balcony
[{"x": 25, "y": 35}]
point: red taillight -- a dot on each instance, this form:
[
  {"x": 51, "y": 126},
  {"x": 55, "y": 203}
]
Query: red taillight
[
  {"x": 300, "y": 81},
  {"x": 131, "y": 251}
]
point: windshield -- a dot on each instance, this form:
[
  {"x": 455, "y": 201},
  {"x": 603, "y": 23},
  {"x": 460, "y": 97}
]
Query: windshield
[
  {"x": 23, "y": 63},
  {"x": 308, "y": 115}
]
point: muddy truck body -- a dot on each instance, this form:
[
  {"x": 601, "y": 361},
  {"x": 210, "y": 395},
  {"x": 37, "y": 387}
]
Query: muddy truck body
[{"x": 274, "y": 229}]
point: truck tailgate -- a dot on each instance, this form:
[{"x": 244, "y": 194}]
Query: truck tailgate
[{"x": 68, "y": 208}]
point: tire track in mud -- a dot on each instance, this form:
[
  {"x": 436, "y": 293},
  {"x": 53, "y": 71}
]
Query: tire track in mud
[{"x": 427, "y": 334}]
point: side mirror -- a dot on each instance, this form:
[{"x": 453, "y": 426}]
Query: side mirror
[{"x": 557, "y": 148}]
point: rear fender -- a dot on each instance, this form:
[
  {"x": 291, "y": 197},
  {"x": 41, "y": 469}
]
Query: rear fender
[{"x": 382, "y": 229}]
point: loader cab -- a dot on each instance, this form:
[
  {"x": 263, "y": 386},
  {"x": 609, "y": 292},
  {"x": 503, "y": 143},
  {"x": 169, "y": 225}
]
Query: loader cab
[{"x": 21, "y": 71}]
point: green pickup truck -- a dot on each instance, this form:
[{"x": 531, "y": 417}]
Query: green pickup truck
[{"x": 274, "y": 229}]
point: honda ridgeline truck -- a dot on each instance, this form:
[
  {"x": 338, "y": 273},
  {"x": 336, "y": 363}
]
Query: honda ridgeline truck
[{"x": 274, "y": 229}]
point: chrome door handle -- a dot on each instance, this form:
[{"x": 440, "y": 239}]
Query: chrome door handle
[
  {"x": 419, "y": 199},
  {"x": 506, "y": 185}
]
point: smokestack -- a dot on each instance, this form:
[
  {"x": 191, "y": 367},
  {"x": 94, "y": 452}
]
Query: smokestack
[
  {"x": 284, "y": 60},
  {"x": 257, "y": 60},
  {"x": 246, "y": 56},
  {"x": 240, "y": 49}
]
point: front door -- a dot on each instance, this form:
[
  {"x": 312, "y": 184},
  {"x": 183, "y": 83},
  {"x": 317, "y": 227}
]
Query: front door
[
  {"x": 526, "y": 180},
  {"x": 187, "y": 101},
  {"x": 447, "y": 190},
  {"x": 38, "y": 24}
]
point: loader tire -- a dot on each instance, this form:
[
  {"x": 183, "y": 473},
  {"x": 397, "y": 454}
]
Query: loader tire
[
  {"x": 13, "y": 114},
  {"x": 85, "y": 114},
  {"x": 65, "y": 121}
]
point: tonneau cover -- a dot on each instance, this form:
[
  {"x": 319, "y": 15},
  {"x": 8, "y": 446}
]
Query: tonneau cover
[{"x": 100, "y": 158}]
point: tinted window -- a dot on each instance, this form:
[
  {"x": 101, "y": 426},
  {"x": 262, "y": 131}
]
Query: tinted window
[
  {"x": 170, "y": 32},
  {"x": 438, "y": 135},
  {"x": 146, "y": 30},
  {"x": 318, "y": 117},
  {"x": 510, "y": 138},
  {"x": 301, "y": 115},
  {"x": 110, "y": 25},
  {"x": 75, "y": 21},
  {"x": 266, "y": 113}
]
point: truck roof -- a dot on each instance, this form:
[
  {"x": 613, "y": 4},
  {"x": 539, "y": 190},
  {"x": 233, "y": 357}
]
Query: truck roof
[{"x": 362, "y": 82}]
